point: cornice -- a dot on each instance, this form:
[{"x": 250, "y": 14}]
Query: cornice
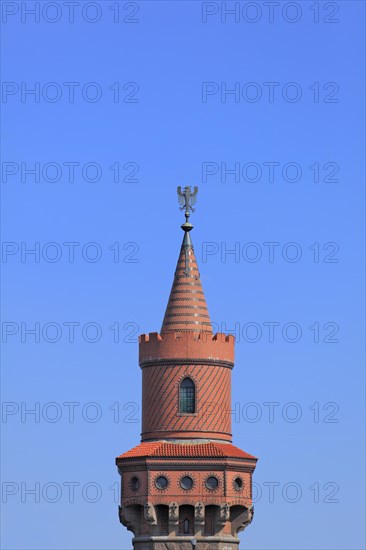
[{"x": 186, "y": 361}]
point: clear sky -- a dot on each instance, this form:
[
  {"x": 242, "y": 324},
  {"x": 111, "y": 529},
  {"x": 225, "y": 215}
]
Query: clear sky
[{"x": 263, "y": 110}]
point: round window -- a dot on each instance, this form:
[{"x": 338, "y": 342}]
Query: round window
[
  {"x": 186, "y": 483},
  {"x": 135, "y": 483},
  {"x": 238, "y": 484},
  {"x": 212, "y": 483},
  {"x": 161, "y": 482}
]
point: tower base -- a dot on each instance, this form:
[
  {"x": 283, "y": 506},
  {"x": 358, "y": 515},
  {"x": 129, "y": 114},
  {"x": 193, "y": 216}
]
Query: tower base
[{"x": 185, "y": 543}]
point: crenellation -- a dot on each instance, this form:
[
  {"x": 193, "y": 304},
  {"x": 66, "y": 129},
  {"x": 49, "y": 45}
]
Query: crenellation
[{"x": 175, "y": 345}]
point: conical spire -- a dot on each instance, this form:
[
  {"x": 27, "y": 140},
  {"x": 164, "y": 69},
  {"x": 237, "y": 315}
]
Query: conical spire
[{"x": 187, "y": 309}]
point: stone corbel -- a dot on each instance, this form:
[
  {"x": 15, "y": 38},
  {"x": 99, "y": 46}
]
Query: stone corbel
[
  {"x": 120, "y": 515},
  {"x": 149, "y": 513},
  {"x": 250, "y": 515},
  {"x": 129, "y": 519},
  {"x": 243, "y": 520},
  {"x": 224, "y": 513},
  {"x": 199, "y": 512},
  {"x": 173, "y": 511}
]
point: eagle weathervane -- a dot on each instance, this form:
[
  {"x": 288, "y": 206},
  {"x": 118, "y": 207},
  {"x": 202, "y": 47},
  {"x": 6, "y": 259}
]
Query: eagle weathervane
[{"x": 187, "y": 199}]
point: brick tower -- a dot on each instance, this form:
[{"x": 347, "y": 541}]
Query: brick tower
[{"x": 185, "y": 486}]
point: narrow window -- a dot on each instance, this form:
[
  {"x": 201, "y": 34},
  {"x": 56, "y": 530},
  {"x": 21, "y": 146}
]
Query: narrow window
[{"x": 187, "y": 396}]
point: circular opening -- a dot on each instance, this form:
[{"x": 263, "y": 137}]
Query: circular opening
[
  {"x": 186, "y": 483},
  {"x": 212, "y": 483},
  {"x": 238, "y": 484},
  {"x": 161, "y": 482},
  {"x": 135, "y": 483}
]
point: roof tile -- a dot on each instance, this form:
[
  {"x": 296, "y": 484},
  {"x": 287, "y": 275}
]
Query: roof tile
[
  {"x": 187, "y": 308},
  {"x": 165, "y": 449}
]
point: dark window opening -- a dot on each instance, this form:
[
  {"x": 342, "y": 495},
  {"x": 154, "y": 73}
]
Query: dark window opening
[
  {"x": 186, "y": 483},
  {"x": 212, "y": 483},
  {"x": 187, "y": 397},
  {"x": 210, "y": 517},
  {"x": 161, "y": 482},
  {"x": 163, "y": 519},
  {"x": 135, "y": 483},
  {"x": 186, "y": 520},
  {"x": 238, "y": 484}
]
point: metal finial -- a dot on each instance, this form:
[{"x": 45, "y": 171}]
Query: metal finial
[{"x": 187, "y": 199}]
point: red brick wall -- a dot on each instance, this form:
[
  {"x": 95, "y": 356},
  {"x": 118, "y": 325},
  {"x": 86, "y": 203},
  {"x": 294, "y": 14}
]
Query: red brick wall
[
  {"x": 160, "y": 397},
  {"x": 225, "y": 491}
]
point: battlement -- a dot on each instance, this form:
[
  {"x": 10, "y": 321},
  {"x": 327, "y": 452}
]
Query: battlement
[{"x": 185, "y": 345}]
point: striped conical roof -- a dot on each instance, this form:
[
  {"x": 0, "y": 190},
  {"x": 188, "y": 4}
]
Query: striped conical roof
[{"x": 187, "y": 309}]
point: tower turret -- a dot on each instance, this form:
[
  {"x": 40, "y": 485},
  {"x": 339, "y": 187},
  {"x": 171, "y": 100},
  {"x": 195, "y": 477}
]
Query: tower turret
[{"x": 186, "y": 486}]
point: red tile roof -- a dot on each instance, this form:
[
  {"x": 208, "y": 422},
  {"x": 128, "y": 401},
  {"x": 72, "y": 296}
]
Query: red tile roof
[{"x": 164, "y": 449}]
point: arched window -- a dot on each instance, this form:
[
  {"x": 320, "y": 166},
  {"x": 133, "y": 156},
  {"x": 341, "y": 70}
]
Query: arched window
[{"x": 187, "y": 396}]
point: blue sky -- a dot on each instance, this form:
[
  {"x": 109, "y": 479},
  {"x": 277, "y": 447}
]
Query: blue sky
[{"x": 124, "y": 109}]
